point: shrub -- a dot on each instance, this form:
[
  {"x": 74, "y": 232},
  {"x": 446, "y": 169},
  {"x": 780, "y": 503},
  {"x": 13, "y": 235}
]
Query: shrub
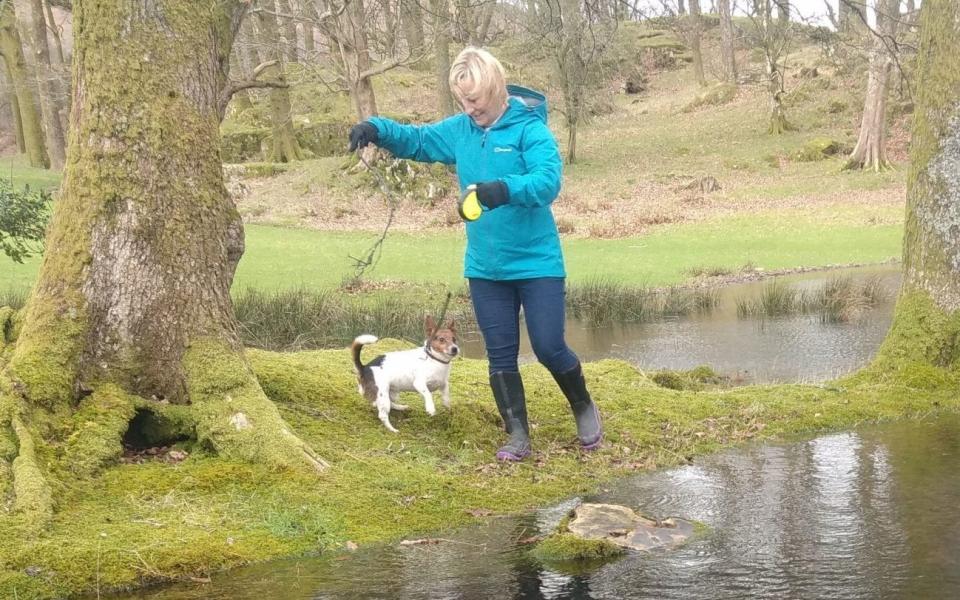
[
  {"x": 714, "y": 95},
  {"x": 23, "y": 220},
  {"x": 819, "y": 149}
]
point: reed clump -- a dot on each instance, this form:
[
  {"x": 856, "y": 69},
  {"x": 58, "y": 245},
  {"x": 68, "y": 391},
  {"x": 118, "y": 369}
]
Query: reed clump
[{"x": 838, "y": 300}]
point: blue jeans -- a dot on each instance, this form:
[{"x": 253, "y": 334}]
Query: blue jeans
[{"x": 496, "y": 305}]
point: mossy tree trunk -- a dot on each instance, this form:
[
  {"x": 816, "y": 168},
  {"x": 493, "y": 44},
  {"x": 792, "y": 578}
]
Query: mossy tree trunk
[
  {"x": 284, "y": 145},
  {"x": 131, "y": 312},
  {"x": 47, "y": 87},
  {"x": 926, "y": 327},
  {"x": 11, "y": 49},
  {"x": 727, "y": 43},
  {"x": 870, "y": 151},
  {"x": 16, "y": 120}
]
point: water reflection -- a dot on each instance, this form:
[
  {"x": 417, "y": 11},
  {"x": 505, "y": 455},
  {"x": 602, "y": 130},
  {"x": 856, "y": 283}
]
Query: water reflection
[
  {"x": 796, "y": 348},
  {"x": 866, "y": 514}
]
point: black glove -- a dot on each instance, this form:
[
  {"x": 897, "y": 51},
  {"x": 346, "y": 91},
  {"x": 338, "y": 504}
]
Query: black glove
[
  {"x": 493, "y": 194},
  {"x": 362, "y": 134}
]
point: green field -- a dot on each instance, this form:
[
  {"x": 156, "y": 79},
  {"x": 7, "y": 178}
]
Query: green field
[{"x": 280, "y": 258}]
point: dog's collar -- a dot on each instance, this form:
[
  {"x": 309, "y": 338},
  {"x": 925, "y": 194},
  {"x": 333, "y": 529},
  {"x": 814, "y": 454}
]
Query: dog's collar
[{"x": 426, "y": 348}]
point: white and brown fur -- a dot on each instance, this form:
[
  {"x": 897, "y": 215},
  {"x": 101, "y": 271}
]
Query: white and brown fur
[{"x": 424, "y": 370}]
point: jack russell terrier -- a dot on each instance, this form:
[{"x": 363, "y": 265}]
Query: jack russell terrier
[{"x": 424, "y": 370}]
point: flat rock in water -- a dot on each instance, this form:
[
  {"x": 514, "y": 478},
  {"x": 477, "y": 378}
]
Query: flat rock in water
[{"x": 624, "y": 527}]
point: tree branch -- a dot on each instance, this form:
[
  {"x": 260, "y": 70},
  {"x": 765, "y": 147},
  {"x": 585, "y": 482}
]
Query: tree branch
[{"x": 235, "y": 86}]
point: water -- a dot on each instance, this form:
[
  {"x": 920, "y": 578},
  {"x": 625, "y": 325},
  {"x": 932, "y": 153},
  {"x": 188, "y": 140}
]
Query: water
[
  {"x": 782, "y": 349},
  {"x": 871, "y": 513}
]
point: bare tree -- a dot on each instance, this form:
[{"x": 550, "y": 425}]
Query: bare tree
[
  {"x": 15, "y": 121},
  {"x": 694, "y": 36},
  {"x": 783, "y": 10},
  {"x": 441, "y": 32},
  {"x": 473, "y": 19},
  {"x": 365, "y": 43},
  {"x": 576, "y": 33},
  {"x": 772, "y": 37},
  {"x": 412, "y": 17},
  {"x": 870, "y": 151},
  {"x": 727, "y": 43},
  {"x": 284, "y": 146},
  {"x": 47, "y": 87},
  {"x": 11, "y": 50}
]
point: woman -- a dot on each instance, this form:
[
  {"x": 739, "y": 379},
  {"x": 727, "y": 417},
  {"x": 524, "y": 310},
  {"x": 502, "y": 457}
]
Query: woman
[{"x": 501, "y": 145}]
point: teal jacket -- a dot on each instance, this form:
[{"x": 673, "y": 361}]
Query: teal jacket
[{"x": 518, "y": 240}]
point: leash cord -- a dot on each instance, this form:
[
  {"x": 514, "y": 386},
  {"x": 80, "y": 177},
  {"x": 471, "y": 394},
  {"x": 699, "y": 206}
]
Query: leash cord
[
  {"x": 373, "y": 254},
  {"x": 443, "y": 313},
  {"x": 376, "y": 250}
]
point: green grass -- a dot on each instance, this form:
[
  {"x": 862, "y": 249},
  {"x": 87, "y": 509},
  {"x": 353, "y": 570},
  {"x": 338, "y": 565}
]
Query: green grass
[
  {"x": 158, "y": 521},
  {"x": 278, "y": 258},
  {"x": 17, "y": 169}
]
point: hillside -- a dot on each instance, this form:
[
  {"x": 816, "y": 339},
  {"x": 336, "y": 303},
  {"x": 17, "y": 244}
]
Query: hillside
[{"x": 644, "y": 160}]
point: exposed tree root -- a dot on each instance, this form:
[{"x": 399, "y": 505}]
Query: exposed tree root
[{"x": 32, "y": 496}]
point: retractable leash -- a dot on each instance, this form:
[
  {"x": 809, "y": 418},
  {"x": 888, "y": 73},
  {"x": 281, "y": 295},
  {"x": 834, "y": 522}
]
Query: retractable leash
[{"x": 470, "y": 208}]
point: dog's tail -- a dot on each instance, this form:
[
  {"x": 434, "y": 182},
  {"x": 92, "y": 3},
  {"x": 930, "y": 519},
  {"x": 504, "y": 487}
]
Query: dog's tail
[{"x": 358, "y": 343}]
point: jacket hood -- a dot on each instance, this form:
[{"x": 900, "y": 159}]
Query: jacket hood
[{"x": 523, "y": 103}]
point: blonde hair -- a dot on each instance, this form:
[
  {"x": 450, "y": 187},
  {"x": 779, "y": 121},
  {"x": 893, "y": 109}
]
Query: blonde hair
[{"x": 476, "y": 71}]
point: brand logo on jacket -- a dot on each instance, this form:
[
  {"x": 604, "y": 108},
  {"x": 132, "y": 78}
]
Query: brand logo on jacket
[{"x": 502, "y": 149}]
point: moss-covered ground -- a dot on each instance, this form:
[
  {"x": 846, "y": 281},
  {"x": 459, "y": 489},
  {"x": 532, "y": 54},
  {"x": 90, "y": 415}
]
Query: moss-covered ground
[{"x": 157, "y": 519}]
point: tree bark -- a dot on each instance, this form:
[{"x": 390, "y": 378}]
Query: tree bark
[
  {"x": 783, "y": 11},
  {"x": 15, "y": 118},
  {"x": 441, "y": 33},
  {"x": 843, "y": 15},
  {"x": 54, "y": 33},
  {"x": 355, "y": 59},
  {"x": 870, "y": 151},
  {"x": 288, "y": 27},
  {"x": 695, "y": 33},
  {"x": 926, "y": 322},
  {"x": 773, "y": 43},
  {"x": 133, "y": 295},
  {"x": 46, "y": 83},
  {"x": 284, "y": 146},
  {"x": 727, "y": 43},
  {"x": 60, "y": 67},
  {"x": 572, "y": 70},
  {"x": 11, "y": 48},
  {"x": 411, "y": 16},
  {"x": 482, "y": 29},
  {"x": 308, "y": 12}
]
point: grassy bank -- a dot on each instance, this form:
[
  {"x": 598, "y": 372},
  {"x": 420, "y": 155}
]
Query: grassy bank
[
  {"x": 158, "y": 519},
  {"x": 281, "y": 258}
]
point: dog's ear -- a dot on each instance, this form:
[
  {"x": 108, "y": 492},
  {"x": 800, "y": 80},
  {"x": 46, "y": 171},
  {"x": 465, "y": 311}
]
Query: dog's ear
[
  {"x": 430, "y": 324},
  {"x": 451, "y": 325}
]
